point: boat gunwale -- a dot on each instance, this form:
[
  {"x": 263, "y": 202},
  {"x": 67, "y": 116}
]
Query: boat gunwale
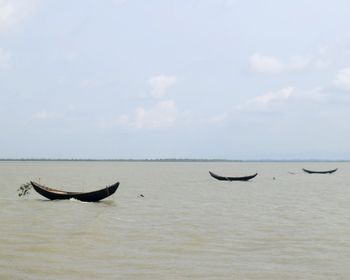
[
  {"x": 319, "y": 171},
  {"x": 92, "y": 196},
  {"x": 224, "y": 178}
]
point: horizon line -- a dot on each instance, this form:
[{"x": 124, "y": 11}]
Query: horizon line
[{"x": 176, "y": 160}]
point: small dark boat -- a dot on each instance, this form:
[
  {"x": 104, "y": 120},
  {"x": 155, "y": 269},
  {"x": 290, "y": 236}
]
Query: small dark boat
[
  {"x": 221, "y": 178},
  {"x": 320, "y": 172},
  {"x": 82, "y": 196}
]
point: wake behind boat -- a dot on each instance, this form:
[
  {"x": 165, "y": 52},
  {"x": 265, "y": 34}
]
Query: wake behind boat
[
  {"x": 320, "y": 172},
  {"x": 222, "y": 178},
  {"x": 93, "y": 196}
]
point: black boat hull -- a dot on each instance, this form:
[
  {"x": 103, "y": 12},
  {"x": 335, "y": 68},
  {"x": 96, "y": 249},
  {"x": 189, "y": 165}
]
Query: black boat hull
[
  {"x": 320, "y": 172},
  {"x": 93, "y": 196},
  {"x": 222, "y": 178}
]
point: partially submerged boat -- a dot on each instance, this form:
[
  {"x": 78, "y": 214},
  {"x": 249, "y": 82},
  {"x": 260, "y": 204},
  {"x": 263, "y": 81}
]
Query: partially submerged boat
[
  {"x": 222, "y": 178},
  {"x": 93, "y": 196},
  {"x": 320, "y": 172}
]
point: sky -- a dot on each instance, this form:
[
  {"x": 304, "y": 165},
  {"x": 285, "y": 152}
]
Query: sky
[{"x": 204, "y": 79}]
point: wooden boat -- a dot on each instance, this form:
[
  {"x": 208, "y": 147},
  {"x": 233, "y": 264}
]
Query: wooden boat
[
  {"x": 221, "y": 178},
  {"x": 93, "y": 196},
  {"x": 320, "y": 172}
]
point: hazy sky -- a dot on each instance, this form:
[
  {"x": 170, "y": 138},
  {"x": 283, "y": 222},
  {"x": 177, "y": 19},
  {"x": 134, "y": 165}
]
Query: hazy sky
[{"x": 228, "y": 79}]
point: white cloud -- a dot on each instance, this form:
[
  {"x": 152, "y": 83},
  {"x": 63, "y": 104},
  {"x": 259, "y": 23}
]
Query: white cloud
[
  {"x": 13, "y": 11},
  {"x": 270, "y": 64},
  {"x": 163, "y": 114},
  {"x": 7, "y": 14},
  {"x": 265, "y": 64},
  {"x": 159, "y": 85},
  {"x": 44, "y": 115},
  {"x": 273, "y": 97},
  {"x": 342, "y": 79},
  {"x": 298, "y": 62},
  {"x": 275, "y": 100},
  {"x": 5, "y": 58}
]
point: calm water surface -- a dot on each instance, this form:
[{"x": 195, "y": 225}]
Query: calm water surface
[{"x": 187, "y": 225}]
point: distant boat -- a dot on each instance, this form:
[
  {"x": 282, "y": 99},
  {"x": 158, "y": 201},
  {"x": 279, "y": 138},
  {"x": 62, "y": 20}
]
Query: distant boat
[
  {"x": 93, "y": 196},
  {"x": 320, "y": 172},
  {"x": 222, "y": 178}
]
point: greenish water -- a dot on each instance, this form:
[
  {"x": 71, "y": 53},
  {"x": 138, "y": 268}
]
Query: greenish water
[{"x": 284, "y": 224}]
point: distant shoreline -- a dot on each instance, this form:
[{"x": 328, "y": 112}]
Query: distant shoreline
[{"x": 175, "y": 160}]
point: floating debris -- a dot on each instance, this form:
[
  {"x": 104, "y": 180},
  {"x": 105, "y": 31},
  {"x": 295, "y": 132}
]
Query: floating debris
[{"x": 24, "y": 189}]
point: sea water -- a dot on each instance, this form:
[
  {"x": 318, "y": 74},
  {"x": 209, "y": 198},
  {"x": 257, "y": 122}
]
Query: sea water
[{"x": 171, "y": 220}]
